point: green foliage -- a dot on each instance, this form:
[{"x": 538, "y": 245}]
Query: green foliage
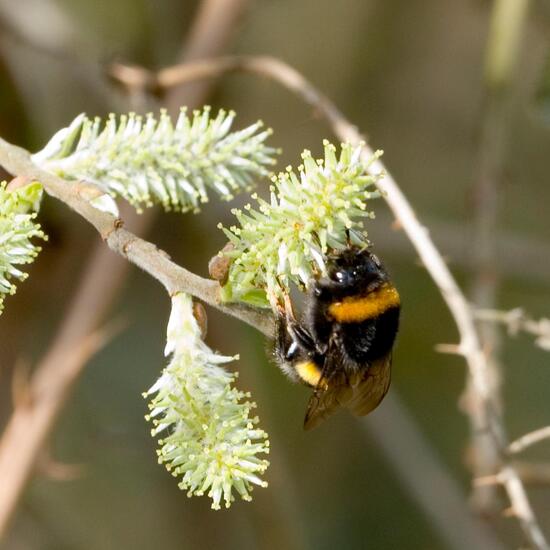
[
  {"x": 17, "y": 228},
  {"x": 211, "y": 441},
  {"x": 309, "y": 214},
  {"x": 148, "y": 162}
]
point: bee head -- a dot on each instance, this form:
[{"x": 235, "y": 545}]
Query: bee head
[{"x": 352, "y": 271}]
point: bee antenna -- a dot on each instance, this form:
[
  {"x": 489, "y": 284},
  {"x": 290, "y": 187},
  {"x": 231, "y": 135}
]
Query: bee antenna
[{"x": 348, "y": 238}]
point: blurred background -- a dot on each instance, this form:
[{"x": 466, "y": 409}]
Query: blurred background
[{"x": 411, "y": 76}]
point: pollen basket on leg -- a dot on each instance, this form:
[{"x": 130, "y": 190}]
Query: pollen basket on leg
[
  {"x": 309, "y": 372},
  {"x": 354, "y": 309}
]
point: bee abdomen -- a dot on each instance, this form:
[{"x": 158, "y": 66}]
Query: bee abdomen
[{"x": 367, "y": 341}]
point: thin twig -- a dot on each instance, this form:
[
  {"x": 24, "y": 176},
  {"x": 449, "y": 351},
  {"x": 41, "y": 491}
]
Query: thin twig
[
  {"x": 529, "y": 439},
  {"x": 469, "y": 345},
  {"x": 516, "y": 320},
  {"x": 522, "y": 508},
  {"x": 417, "y": 233},
  {"x": 508, "y": 19},
  {"x": 32, "y": 421},
  {"x": 520, "y": 257},
  {"x": 140, "y": 252}
]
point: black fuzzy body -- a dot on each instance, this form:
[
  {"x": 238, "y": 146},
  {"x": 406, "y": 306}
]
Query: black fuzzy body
[{"x": 340, "y": 346}]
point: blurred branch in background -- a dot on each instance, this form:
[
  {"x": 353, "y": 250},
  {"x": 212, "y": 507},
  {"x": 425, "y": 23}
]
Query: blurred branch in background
[
  {"x": 56, "y": 37},
  {"x": 216, "y": 23},
  {"x": 487, "y": 418},
  {"x": 439, "y": 503},
  {"x": 103, "y": 276},
  {"x": 515, "y": 321},
  {"x": 413, "y": 473},
  {"x": 529, "y": 439},
  {"x": 428, "y": 481},
  {"x": 155, "y": 262},
  {"x": 507, "y": 24},
  {"x": 519, "y": 257}
]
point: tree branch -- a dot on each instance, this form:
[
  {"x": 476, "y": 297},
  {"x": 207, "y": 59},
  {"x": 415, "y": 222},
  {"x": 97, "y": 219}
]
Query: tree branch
[
  {"x": 515, "y": 321},
  {"x": 32, "y": 420},
  {"x": 508, "y": 19},
  {"x": 175, "y": 278},
  {"x": 529, "y": 439},
  {"x": 140, "y": 252},
  {"x": 469, "y": 346}
]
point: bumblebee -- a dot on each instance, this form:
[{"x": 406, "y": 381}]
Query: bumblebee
[{"x": 342, "y": 345}]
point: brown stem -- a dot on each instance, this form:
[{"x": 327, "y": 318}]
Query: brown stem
[
  {"x": 140, "y": 252},
  {"x": 508, "y": 19},
  {"x": 34, "y": 418},
  {"x": 469, "y": 347},
  {"x": 516, "y": 320}
]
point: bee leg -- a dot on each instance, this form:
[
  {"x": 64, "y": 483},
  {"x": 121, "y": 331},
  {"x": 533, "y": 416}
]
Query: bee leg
[
  {"x": 287, "y": 346},
  {"x": 289, "y": 309},
  {"x": 300, "y": 336},
  {"x": 304, "y": 339},
  {"x": 283, "y": 340},
  {"x": 297, "y": 338},
  {"x": 286, "y": 350}
]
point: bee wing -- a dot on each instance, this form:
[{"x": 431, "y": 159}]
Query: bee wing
[
  {"x": 370, "y": 387},
  {"x": 361, "y": 393},
  {"x": 322, "y": 404}
]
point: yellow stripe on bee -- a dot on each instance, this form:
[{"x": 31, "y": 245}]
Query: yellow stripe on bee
[
  {"x": 309, "y": 372},
  {"x": 354, "y": 309}
]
